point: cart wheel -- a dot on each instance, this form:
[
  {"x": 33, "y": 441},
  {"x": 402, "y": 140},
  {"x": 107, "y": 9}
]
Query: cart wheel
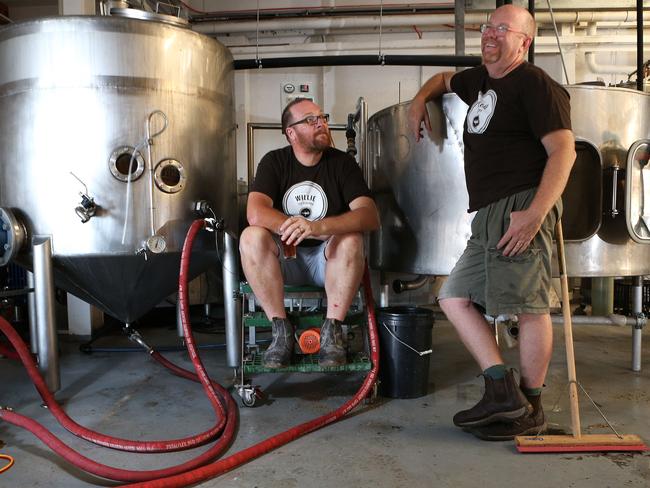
[
  {"x": 248, "y": 399},
  {"x": 250, "y": 395}
]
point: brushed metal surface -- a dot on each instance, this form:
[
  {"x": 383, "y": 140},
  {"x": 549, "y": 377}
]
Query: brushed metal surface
[
  {"x": 612, "y": 120},
  {"x": 85, "y": 89},
  {"x": 419, "y": 189},
  {"x": 422, "y": 198}
]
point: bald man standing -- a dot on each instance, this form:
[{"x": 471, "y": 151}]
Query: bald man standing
[{"x": 519, "y": 150}]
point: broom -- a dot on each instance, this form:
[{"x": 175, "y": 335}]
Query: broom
[{"x": 576, "y": 442}]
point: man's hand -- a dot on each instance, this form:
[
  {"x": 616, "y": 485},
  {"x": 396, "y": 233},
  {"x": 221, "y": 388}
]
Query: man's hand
[
  {"x": 417, "y": 113},
  {"x": 436, "y": 85},
  {"x": 523, "y": 227},
  {"x": 295, "y": 229}
]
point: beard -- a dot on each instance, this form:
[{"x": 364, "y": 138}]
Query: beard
[
  {"x": 316, "y": 142},
  {"x": 321, "y": 141}
]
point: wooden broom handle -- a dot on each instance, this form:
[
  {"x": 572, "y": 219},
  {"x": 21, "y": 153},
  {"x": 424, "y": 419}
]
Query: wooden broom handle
[{"x": 568, "y": 332}]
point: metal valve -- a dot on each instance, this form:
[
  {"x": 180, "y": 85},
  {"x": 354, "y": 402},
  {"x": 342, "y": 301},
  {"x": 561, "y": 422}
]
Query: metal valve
[
  {"x": 203, "y": 209},
  {"x": 86, "y": 208}
]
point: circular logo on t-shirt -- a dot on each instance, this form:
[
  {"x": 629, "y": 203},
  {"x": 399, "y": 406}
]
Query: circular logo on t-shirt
[
  {"x": 481, "y": 111},
  {"x": 306, "y": 199}
]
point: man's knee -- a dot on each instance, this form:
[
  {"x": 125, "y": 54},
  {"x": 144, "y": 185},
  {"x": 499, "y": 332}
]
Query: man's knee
[
  {"x": 255, "y": 240},
  {"x": 449, "y": 305},
  {"x": 348, "y": 246}
]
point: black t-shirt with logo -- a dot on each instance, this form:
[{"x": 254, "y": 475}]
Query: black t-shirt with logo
[
  {"x": 506, "y": 120},
  {"x": 314, "y": 192}
]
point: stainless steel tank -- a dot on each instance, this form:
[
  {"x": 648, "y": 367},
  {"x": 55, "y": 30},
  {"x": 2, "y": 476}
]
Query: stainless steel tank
[
  {"x": 422, "y": 198},
  {"x": 420, "y": 190},
  {"x": 612, "y": 126},
  {"x": 78, "y": 96}
]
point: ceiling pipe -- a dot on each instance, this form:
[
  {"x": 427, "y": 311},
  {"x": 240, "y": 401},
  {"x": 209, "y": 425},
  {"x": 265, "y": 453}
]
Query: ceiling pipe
[
  {"x": 545, "y": 45},
  {"x": 459, "y": 31},
  {"x": 357, "y": 60},
  {"x": 639, "y": 45},
  {"x": 603, "y": 69},
  {"x": 404, "y": 21}
]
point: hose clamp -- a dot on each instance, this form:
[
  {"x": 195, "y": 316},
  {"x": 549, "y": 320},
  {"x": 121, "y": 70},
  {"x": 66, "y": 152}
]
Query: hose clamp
[{"x": 641, "y": 320}]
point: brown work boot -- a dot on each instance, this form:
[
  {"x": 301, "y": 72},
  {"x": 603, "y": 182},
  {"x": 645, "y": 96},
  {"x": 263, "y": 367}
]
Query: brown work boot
[
  {"x": 529, "y": 424},
  {"x": 332, "y": 352},
  {"x": 278, "y": 354},
  {"x": 502, "y": 401}
]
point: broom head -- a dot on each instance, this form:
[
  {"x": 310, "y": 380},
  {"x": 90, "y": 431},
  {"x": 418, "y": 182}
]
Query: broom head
[{"x": 584, "y": 443}]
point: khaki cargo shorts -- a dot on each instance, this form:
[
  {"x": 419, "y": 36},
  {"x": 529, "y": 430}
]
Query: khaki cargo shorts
[{"x": 500, "y": 284}]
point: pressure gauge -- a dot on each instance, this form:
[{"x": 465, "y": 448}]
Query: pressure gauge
[{"x": 156, "y": 244}]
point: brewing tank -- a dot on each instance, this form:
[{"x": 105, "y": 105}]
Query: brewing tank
[
  {"x": 422, "y": 198},
  {"x": 616, "y": 122},
  {"x": 419, "y": 189},
  {"x": 111, "y": 129}
]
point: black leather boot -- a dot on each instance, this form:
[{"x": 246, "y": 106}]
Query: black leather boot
[
  {"x": 503, "y": 401},
  {"x": 278, "y": 354},
  {"x": 332, "y": 352},
  {"x": 532, "y": 424}
]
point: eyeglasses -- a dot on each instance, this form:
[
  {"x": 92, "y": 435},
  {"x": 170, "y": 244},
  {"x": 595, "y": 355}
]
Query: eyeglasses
[
  {"x": 500, "y": 29},
  {"x": 312, "y": 120}
]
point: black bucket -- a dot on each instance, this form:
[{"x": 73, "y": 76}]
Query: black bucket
[{"x": 404, "y": 333}]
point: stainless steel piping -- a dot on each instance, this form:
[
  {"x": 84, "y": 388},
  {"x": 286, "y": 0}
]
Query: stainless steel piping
[
  {"x": 637, "y": 330},
  {"x": 459, "y": 30},
  {"x": 231, "y": 300},
  {"x": 361, "y": 116},
  {"x": 48, "y": 358},
  {"x": 31, "y": 311},
  {"x": 421, "y": 20},
  {"x": 400, "y": 286},
  {"x": 614, "y": 319}
]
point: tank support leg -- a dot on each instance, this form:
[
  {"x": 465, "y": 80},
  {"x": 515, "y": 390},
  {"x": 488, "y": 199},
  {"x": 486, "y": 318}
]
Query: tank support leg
[
  {"x": 48, "y": 356},
  {"x": 637, "y": 330},
  {"x": 231, "y": 301},
  {"x": 31, "y": 311}
]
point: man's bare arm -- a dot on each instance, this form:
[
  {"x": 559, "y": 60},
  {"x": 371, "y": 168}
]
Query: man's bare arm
[{"x": 437, "y": 85}]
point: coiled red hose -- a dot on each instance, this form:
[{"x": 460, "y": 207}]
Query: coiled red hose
[
  {"x": 153, "y": 446},
  {"x": 96, "y": 437},
  {"x": 219, "y": 467},
  {"x": 215, "y": 392},
  {"x": 169, "y": 477}
]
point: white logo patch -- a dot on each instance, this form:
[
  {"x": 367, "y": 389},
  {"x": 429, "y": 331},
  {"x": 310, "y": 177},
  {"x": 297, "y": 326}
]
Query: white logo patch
[
  {"x": 480, "y": 113},
  {"x": 306, "y": 199}
]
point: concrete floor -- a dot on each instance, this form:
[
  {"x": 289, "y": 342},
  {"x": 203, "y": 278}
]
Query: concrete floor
[{"x": 392, "y": 443}]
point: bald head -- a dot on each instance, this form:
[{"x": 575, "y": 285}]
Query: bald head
[{"x": 516, "y": 17}]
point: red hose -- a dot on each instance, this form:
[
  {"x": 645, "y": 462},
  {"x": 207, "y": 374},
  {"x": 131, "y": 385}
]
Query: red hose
[
  {"x": 96, "y": 437},
  {"x": 241, "y": 457},
  {"x": 153, "y": 446},
  {"x": 215, "y": 391},
  {"x": 169, "y": 477}
]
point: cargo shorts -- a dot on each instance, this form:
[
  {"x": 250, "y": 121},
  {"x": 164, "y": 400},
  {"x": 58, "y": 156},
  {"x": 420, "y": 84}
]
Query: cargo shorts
[{"x": 505, "y": 284}]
